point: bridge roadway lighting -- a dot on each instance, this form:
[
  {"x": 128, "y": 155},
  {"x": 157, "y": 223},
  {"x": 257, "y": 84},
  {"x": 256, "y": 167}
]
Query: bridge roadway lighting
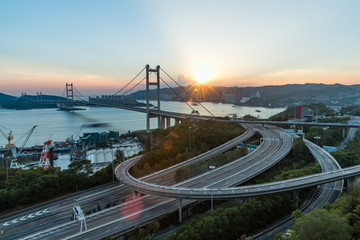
[
  {"x": 212, "y": 198},
  {"x": 317, "y": 139}
]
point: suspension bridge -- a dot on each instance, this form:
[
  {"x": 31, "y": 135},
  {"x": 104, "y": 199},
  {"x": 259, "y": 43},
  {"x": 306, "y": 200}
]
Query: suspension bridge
[
  {"x": 161, "y": 184},
  {"x": 149, "y": 79}
]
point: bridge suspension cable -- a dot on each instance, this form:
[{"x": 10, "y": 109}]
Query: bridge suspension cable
[
  {"x": 177, "y": 94},
  {"x": 130, "y": 82},
  {"x": 186, "y": 92},
  {"x": 63, "y": 94},
  {"x": 81, "y": 97},
  {"x": 134, "y": 86}
]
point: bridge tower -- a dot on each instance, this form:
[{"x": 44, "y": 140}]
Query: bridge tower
[
  {"x": 69, "y": 96},
  {"x": 148, "y": 98}
]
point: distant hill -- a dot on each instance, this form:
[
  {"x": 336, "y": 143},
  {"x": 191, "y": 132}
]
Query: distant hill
[
  {"x": 356, "y": 87},
  {"x": 307, "y": 93},
  {"x": 29, "y": 101},
  {"x": 6, "y": 99},
  {"x": 275, "y": 96}
]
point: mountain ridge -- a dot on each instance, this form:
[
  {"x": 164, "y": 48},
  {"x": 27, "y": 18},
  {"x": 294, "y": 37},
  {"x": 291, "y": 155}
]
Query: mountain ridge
[{"x": 270, "y": 95}]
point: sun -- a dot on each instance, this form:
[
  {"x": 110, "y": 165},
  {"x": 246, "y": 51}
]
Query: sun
[{"x": 202, "y": 76}]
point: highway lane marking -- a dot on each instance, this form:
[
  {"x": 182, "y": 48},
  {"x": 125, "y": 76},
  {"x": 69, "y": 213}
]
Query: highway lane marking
[
  {"x": 118, "y": 220},
  {"x": 96, "y": 193},
  {"x": 41, "y": 233},
  {"x": 24, "y": 218},
  {"x": 14, "y": 221},
  {"x": 6, "y": 224},
  {"x": 88, "y": 217},
  {"x": 39, "y": 213}
]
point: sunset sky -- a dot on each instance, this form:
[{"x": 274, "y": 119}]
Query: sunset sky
[{"x": 101, "y": 45}]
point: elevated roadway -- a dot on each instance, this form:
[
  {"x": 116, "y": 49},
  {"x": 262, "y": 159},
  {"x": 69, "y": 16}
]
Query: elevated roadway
[
  {"x": 269, "y": 153},
  {"x": 328, "y": 192},
  {"x": 44, "y": 216},
  {"x": 245, "y": 191},
  {"x": 154, "y": 112},
  {"x": 167, "y": 176},
  {"x": 113, "y": 221},
  {"x": 58, "y": 212},
  {"x": 148, "y": 214},
  {"x": 157, "y": 206}
]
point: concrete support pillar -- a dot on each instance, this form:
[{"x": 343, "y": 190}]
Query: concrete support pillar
[
  {"x": 180, "y": 210},
  {"x": 347, "y": 184},
  {"x": 296, "y": 198},
  {"x": 168, "y": 122},
  {"x": 177, "y": 121},
  {"x": 350, "y": 182},
  {"x": 162, "y": 122},
  {"x": 159, "y": 121}
]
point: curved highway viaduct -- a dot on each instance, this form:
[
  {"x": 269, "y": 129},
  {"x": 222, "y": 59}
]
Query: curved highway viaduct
[
  {"x": 237, "y": 192},
  {"x": 112, "y": 221},
  {"x": 275, "y": 147},
  {"x": 328, "y": 192},
  {"x": 99, "y": 224},
  {"x": 49, "y": 225}
]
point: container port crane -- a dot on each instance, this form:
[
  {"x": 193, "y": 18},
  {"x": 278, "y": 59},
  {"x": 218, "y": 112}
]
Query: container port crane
[
  {"x": 15, "y": 152},
  {"x": 8, "y": 138}
]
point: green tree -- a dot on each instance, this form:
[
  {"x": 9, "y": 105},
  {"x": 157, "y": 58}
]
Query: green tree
[
  {"x": 322, "y": 225},
  {"x": 81, "y": 165},
  {"x": 297, "y": 214},
  {"x": 119, "y": 155}
]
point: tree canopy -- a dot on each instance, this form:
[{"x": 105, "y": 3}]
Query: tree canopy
[{"x": 321, "y": 225}]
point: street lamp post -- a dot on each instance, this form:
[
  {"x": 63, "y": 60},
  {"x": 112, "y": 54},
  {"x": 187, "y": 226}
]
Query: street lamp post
[
  {"x": 317, "y": 139},
  {"x": 189, "y": 139},
  {"x": 112, "y": 167},
  {"x": 212, "y": 198}
]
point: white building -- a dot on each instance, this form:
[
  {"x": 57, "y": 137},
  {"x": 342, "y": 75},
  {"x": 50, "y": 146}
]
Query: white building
[{"x": 108, "y": 154}]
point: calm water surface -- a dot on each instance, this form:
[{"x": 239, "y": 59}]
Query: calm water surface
[{"x": 59, "y": 125}]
